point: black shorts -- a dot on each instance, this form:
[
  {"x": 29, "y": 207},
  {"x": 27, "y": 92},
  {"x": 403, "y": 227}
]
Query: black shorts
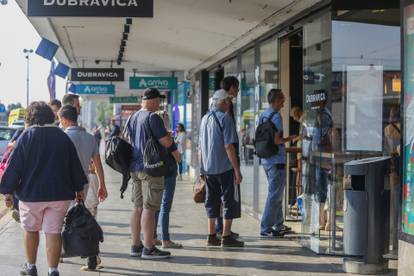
[{"x": 221, "y": 189}]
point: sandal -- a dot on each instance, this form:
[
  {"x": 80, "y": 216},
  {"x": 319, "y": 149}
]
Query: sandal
[{"x": 172, "y": 245}]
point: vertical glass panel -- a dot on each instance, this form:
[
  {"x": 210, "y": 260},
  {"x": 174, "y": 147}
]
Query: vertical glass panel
[
  {"x": 365, "y": 103},
  {"x": 318, "y": 123},
  {"x": 246, "y": 124},
  {"x": 269, "y": 78},
  {"x": 408, "y": 187}
]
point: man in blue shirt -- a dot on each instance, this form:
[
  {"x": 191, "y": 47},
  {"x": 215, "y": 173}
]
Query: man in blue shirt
[
  {"x": 220, "y": 166},
  {"x": 147, "y": 190},
  {"x": 272, "y": 219}
]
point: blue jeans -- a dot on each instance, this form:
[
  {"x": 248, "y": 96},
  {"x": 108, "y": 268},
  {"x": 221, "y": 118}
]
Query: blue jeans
[
  {"x": 163, "y": 216},
  {"x": 273, "y": 211},
  {"x": 322, "y": 181}
]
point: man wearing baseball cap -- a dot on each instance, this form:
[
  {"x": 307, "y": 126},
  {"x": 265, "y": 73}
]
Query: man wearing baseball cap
[
  {"x": 222, "y": 170},
  {"x": 147, "y": 190}
]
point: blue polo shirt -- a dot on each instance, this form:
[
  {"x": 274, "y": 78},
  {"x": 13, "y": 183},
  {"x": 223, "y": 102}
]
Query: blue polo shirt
[
  {"x": 277, "y": 120},
  {"x": 213, "y": 140},
  {"x": 139, "y": 135}
]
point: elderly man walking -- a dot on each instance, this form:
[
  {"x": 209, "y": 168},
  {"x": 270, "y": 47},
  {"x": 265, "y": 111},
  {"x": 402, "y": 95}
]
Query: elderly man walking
[{"x": 222, "y": 170}]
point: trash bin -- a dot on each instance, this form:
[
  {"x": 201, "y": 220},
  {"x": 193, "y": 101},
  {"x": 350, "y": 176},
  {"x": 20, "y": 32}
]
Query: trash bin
[{"x": 366, "y": 215}]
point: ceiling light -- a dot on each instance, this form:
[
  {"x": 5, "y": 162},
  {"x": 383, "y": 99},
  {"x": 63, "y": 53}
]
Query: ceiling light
[
  {"x": 125, "y": 36},
  {"x": 129, "y": 21},
  {"x": 126, "y": 29},
  {"x": 123, "y": 43}
]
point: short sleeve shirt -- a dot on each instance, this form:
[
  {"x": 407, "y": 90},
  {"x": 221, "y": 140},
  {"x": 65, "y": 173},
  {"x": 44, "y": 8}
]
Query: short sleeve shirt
[
  {"x": 139, "y": 133},
  {"x": 213, "y": 139},
  {"x": 85, "y": 144},
  {"x": 277, "y": 120}
]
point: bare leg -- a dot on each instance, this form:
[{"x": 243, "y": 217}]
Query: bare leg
[
  {"x": 212, "y": 226},
  {"x": 227, "y": 227},
  {"x": 136, "y": 226},
  {"x": 148, "y": 227},
  {"x": 53, "y": 249},
  {"x": 31, "y": 243}
]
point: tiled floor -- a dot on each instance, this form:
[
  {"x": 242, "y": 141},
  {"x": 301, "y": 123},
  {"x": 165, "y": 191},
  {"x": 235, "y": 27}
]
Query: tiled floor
[{"x": 188, "y": 226}]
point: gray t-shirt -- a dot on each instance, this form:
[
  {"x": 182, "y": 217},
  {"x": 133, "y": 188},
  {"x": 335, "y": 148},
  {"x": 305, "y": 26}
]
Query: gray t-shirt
[{"x": 85, "y": 145}]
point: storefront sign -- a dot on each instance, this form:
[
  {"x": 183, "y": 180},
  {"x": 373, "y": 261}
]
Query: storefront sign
[
  {"x": 134, "y": 107},
  {"x": 97, "y": 74},
  {"x": 91, "y": 8},
  {"x": 131, "y": 99},
  {"x": 163, "y": 83},
  {"x": 315, "y": 99},
  {"x": 95, "y": 89}
]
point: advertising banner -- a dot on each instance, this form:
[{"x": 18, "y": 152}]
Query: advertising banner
[
  {"x": 91, "y": 8},
  {"x": 131, "y": 99},
  {"x": 408, "y": 164}
]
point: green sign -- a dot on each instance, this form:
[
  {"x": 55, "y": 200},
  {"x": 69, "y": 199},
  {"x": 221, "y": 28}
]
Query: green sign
[
  {"x": 163, "y": 83},
  {"x": 131, "y": 99}
]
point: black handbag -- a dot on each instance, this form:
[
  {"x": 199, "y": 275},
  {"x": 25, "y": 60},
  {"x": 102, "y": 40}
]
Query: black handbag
[
  {"x": 118, "y": 156},
  {"x": 81, "y": 233},
  {"x": 155, "y": 155}
]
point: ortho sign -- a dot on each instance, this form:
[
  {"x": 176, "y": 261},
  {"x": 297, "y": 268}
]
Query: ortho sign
[
  {"x": 91, "y": 8},
  {"x": 97, "y": 74}
]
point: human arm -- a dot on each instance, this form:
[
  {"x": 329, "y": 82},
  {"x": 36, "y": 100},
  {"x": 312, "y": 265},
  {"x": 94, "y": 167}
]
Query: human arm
[
  {"x": 102, "y": 192},
  {"x": 164, "y": 137},
  {"x": 232, "y": 155},
  {"x": 230, "y": 139}
]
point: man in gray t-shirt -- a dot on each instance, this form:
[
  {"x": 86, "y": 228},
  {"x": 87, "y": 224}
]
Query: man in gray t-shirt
[{"x": 85, "y": 145}]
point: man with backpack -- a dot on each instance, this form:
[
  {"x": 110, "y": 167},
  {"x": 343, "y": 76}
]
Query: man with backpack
[
  {"x": 274, "y": 165},
  {"x": 222, "y": 170},
  {"x": 146, "y": 126}
]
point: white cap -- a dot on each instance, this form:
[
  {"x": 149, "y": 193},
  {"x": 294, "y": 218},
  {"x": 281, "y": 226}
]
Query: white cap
[{"x": 220, "y": 95}]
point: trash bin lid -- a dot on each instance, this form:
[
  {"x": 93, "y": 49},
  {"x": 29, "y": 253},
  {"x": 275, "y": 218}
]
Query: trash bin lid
[
  {"x": 360, "y": 166},
  {"x": 368, "y": 160}
]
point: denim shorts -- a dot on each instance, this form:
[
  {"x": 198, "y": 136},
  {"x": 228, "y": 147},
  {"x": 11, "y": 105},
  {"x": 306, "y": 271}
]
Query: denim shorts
[{"x": 221, "y": 189}]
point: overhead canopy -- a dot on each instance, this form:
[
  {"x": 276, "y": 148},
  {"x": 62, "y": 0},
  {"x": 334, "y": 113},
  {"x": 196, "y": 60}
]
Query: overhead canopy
[{"x": 184, "y": 35}]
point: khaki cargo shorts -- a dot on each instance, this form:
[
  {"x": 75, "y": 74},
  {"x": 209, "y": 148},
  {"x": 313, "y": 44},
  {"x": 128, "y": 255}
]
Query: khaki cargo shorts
[{"x": 147, "y": 191}]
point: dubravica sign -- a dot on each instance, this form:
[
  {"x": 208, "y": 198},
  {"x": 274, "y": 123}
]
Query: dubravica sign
[
  {"x": 97, "y": 74},
  {"x": 91, "y": 8}
]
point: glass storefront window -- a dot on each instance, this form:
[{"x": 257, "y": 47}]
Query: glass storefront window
[
  {"x": 269, "y": 78},
  {"x": 317, "y": 123},
  {"x": 246, "y": 124}
]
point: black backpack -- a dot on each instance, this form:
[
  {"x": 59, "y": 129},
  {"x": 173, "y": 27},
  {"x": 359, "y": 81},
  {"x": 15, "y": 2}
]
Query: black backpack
[
  {"x": 155, "y": 155},
  {"x": 81, "y": 233},
  {"x": 264, "y": 142},
  {"x": 118, "y": 156}
]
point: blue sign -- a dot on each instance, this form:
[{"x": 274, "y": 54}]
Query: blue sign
[
  {"x": 163, "y": 83},
  {"x": 95, "y": 89}
]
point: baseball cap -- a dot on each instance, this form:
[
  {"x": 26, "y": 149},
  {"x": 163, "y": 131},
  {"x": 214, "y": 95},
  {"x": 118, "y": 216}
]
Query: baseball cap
[
  {"x": 152, "y": 93},
  {"x": 220, "y": 95}
]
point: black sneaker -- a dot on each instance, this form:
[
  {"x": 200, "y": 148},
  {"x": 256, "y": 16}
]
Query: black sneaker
[
  {"x": 272, "y": 234},
  {"x": 54, "y": 273},
  {"x": 212, "y": 240},
  {"x": 28, "y": 271},
  {"x": 285, "y": 229},
  {"x": 92, "y": 262},
  {"x": 154, "y": 254},
  {"x": 136, "y": 250},
  {"x": 230, "y": 241}
]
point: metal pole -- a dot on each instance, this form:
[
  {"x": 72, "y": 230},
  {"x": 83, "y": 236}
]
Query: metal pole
[{"x": 28, "y": 80}]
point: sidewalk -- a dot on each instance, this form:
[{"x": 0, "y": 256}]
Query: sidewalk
[{"x": 188, "y": 226}]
